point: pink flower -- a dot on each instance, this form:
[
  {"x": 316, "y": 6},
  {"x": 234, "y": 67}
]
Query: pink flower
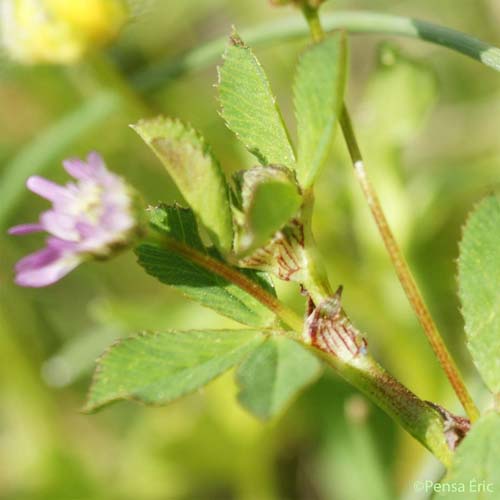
[{"x": 89, "y": 218}]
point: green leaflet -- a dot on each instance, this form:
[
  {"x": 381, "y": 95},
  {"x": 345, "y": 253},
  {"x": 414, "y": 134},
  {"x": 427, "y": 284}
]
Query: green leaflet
[
  {"x": 476, "y": 465},
  {"x": 203, "y": 284},
  {"x": 249, "y": 107},
  {"x": 156, "y": 368},
  {"x": 273, "y": 374},
  {"x": 269, "y": 199},
  {"x": 178, "y": 223},
  {"x": 198, "y": 175},
  {"x": 318, "y": 96},
  {"x": 479, "y": 288}
]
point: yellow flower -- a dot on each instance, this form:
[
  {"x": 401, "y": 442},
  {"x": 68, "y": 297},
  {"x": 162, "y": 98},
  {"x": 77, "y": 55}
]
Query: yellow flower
[{"x": 58, "y": 31}]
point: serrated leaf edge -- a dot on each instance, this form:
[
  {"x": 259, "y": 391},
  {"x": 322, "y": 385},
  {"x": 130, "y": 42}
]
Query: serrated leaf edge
[
  {"x": 340, "y": 90},
  {"x": 236, "y": 41},
  {"x": 89, "y": 408},
  {"x": 207, "y": 152}
]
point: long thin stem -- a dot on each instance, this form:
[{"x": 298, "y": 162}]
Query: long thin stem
[
  {"x": 402, "y": 269},
  {"x": 315, "y": 280},
  {"x": 293, "y": 27}
]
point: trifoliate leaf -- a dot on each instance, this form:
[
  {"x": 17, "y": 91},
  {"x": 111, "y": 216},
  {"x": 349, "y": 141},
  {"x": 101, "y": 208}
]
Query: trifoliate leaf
[
  {"x": 318, "y": 95},
  {"x": 198, "y": 272},
  {"x": 194, "y": 169},
  {"x": 249, "y": 107},
  {"x": 479, "y": 288},
  {"x": 156, "y": 368},
  {"x": 273, "y": 374}
]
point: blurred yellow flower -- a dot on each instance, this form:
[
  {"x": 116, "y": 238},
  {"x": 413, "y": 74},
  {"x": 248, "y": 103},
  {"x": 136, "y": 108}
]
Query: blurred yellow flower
[{"x": 58, "y": 31}]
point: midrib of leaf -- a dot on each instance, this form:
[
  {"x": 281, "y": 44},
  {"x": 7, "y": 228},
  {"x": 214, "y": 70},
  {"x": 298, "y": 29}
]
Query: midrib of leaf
[
  {"x": 232, "y": 275},
  {"x": 249, "y": 118},
  {"x": 192, "y": 271}
]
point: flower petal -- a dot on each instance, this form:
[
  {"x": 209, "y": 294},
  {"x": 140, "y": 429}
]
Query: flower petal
[
  {"x": 77, "y": 168},
  {"x": 47, "y": 189},
  {"x": 45, "y": 267},
  {"x": 87, "y": 230},
  {"x": 37, "y": 259},
  {"x": 25, "y": 228},
  {"x": 95, "y": 162},
  {"x": 60, "y": 225}
]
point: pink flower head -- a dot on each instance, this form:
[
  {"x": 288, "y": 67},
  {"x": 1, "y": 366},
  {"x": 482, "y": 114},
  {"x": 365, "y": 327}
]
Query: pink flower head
[{"x": 89, "y": 218}]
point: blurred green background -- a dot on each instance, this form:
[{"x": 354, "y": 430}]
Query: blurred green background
[{"x": 428, "y": 125}]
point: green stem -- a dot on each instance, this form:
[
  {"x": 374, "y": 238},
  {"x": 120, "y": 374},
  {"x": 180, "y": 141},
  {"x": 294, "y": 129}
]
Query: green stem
[
  {"x": 417, "y": 417},
  {"x": 404, "y": 274},
  {"x": 315, "y": 278},
  {"x": 363, "y": 371},
  {"x": 400, "y": 265},
  {"x": 403, "y": 271},
  {"x": 312, "y": 18},
  {"x": 413, "y": 414},
  {"x": 293, "y": 27}
]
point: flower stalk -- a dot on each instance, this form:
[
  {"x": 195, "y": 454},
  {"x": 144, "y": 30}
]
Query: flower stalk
[
  {"x": 404, "y": 274},
  {"x": 316, "y": 281}
]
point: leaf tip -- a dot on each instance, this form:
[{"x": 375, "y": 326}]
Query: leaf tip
[
  {"x": 235, "y": 39},
  {"x": 149, "y": 128}
]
